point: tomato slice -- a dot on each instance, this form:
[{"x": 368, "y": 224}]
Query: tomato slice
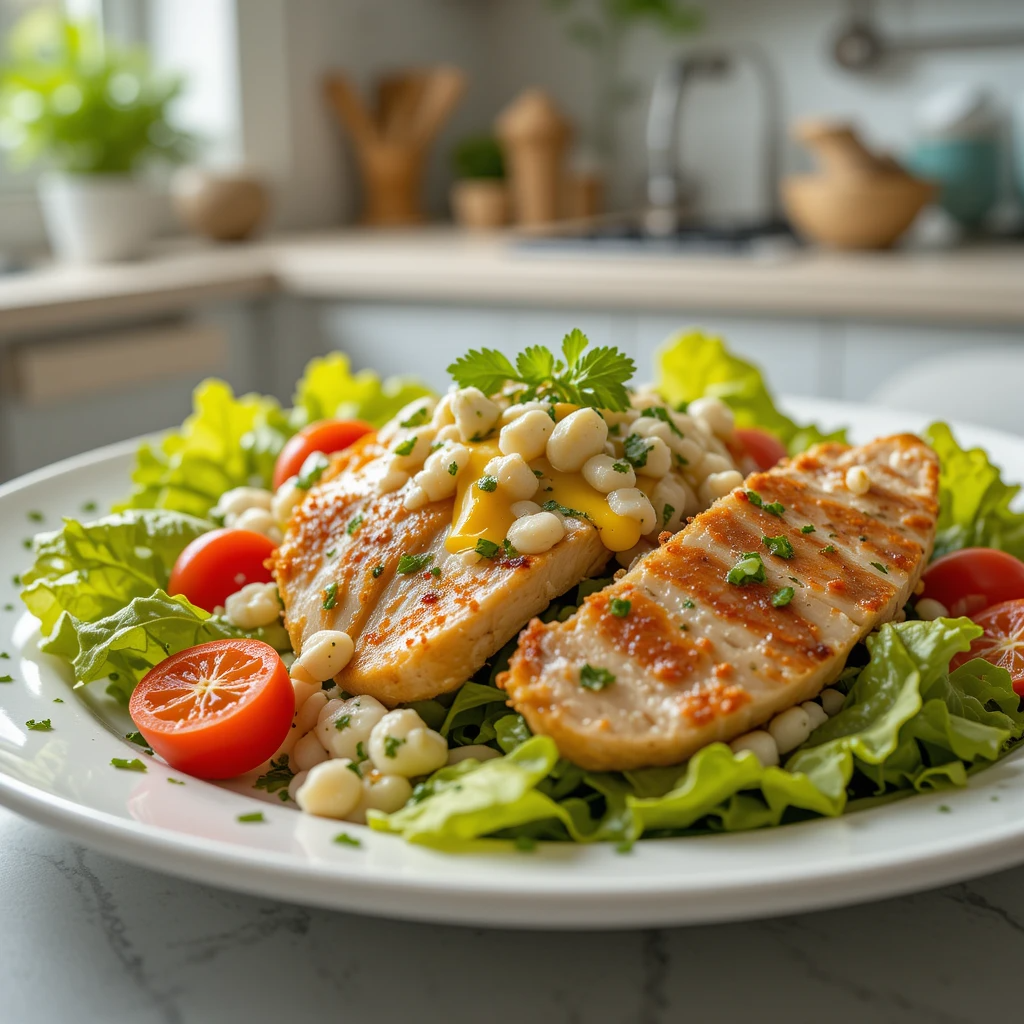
[
  {"x": 1002, "y": 643},
  {"x": 216, "y": 710},
  {"x": 765, "y": 449},
  {"x": 218, "y": 564},
  {"x": 324, "y": 436},
  {"x": 972, "y": 579}
]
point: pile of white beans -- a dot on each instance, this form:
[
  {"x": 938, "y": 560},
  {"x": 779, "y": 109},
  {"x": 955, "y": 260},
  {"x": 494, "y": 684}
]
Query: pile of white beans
[
  {"x": 789, "y": 728},
  {"x": 686, "y": 456}
]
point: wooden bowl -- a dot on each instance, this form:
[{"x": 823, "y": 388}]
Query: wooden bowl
[{"x": 857, "y": 212}]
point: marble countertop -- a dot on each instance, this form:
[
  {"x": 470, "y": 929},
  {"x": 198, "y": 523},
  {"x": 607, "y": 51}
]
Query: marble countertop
[
  {"x": 87, "y": 938},
  {"x": 979, "y": 284}
]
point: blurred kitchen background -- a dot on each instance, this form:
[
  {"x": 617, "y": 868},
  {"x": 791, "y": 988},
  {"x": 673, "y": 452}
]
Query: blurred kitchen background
[{"x": 229, "y": 187}]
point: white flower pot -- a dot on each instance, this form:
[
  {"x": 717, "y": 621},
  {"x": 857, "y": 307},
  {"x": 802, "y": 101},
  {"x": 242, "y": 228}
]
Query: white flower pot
[{"x": 97, "y": 218}]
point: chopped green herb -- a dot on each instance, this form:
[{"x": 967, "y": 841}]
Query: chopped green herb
[
  {"x": 60, "y": 700},
  {"x": 27, "y": 543},
  {"x": 944, "y": 809},
  {"x": 619, "y": 607},
  {"x": 408, "y": 564},
  {"x": 277, "y": 778},
  {"x": 687, "y": 603},
  {"x": 253, "y": 817},
  {"x": 332, "y": 552},
  {"x": 436, "y": 572},
  {"x": 881, "y": 568},
  {"x": 749, "y": 569},
  {"x": 43, "y": 726},
  {"x": 778, "y": 546},
  {"x": 659, "y": 412},
  {"x": 592, "y": 678},
  {"x": 344, "y": 839},
  {"x": 4, "y": 655},
  {"x": 330, "y": 596},
  {"x": 539, "y": 474},
  {"x": 774, "y": 509},
  {"x": 435, "y": 445},
  {"x": 360, "y": 751},
  {"x": 406, "y": 447},
  {"x": 666, "y": 514},
  {"x": 510, "y": 549},
  {"x": 35, "y": 516},
  {"x": 828, "y": 549},
  {"x": 342, "y": 722},
  {"x": 626, "y": 846},
  {"x": 312, "y": 469},
  {"x": 683, "y": 626},
  {"x": 354, "y": 768},
  {"x": 8, "y": 607},
  {"x": 417, "y": 419},
  {"x": 139, "y": 740},
  {"x": 89, "y": 506},
  {"x": 783, "y": 596},
  {"x": 128, "y": 765},
  {"x": 175, "y": 782},
  {"x": 615, "y": 429},
  {"x": 391, "y": 745},
  {"x": 636, "y": 449},
  {"x": 755, "y": 499},
  {"x": 453, "y": 469},
  {"x": 376, "y": 571},
  {"x": 487, "y": 483},
  {"x": 354, "y": 523},
  {"x": 574, "y": 513},
  {"x": 807, "y": 529},
  {"x": 6, "y": 679},
  {"x": 525, "y": 844},
  {"x": 486, "y": 547},
  {"x": 620, "y": 467}
]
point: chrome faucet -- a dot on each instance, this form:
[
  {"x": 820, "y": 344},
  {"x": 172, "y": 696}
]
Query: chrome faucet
[{"x": 671, "y": 193}]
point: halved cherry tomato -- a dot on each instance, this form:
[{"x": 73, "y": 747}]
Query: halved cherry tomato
[
  {"x": 219, "y": 563},
  {"x": 972, "y": 579},
  {"x": 1003, "y": 641},
  {"x": 764, "y": 448},
  {"x": 217, "y": 710},
  {"x": 324, "y": 436}
]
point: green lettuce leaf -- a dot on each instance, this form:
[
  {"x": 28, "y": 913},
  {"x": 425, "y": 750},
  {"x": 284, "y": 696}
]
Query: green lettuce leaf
[
  {"x": 974, "y": 502},
  {"x": 693, "y": 365},
  {"x": 328, "y": 389},
  {"x": 93, "y": 569}
]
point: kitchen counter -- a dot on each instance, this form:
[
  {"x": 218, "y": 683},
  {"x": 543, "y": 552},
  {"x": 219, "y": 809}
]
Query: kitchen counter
[
  {"x": 89, "y": 939},
  {"x": 983, "y": 285}
]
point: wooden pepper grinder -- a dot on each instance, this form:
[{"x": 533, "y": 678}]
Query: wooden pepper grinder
[{"x": 534, "y": 137}]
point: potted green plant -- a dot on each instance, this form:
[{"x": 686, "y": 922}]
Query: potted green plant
[
  {"x": 94, "y": 114},
  {"x": 479, "y": 196}
]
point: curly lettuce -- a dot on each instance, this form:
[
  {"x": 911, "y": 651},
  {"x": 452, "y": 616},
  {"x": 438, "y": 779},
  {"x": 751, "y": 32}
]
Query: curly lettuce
[
  {"x": 909, "y": 724},
  {"x": 695, "y": 365},
  {"x": 974, "y": 502}
]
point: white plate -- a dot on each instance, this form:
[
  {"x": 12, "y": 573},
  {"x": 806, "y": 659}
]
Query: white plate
[{"x": 63, "y": 778}]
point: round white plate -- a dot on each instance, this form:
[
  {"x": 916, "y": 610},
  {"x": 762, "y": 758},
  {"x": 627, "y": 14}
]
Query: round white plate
[{"x": 63, "y": 778}]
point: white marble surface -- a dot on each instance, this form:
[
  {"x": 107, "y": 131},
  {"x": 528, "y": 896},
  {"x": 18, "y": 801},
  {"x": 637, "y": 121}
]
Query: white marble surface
[{"x": 86, "y": 938}]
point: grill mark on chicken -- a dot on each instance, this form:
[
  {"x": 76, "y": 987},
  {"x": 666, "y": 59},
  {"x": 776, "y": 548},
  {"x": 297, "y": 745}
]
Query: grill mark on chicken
[{"x": 741, "y": 659}]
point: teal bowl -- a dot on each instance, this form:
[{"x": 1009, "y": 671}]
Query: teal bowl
[{"x": 967, "y": 173}]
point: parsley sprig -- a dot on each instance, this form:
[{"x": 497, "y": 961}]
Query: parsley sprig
[{"x": 597, "y": 379}]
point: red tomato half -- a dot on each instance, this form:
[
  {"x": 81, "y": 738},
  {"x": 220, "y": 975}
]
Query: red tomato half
[
  {"x": 324, "y": 436},
  {"x": 219, "y": 563},
  {"x": 972, "y": 579},
  {"x": 1003, "y": 641},
  {"x": 764, "y": 448},
  {"x": 217, "y": 710}
]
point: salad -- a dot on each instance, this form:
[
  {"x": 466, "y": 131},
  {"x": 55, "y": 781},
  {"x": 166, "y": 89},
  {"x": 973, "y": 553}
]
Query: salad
[{"x": 368, "y": 604}]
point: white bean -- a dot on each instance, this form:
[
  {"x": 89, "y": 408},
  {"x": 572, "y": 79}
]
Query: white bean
[
  {"x": 440, "y": 474},
  {"x": 537, "y": 533},
  {"x": 387, "y": 793},
  {"x": 524, "y": 508},
  {"x": 255, "y": 605},
  {"x": 307, "y": 752},
  {"x": 401, "y": 744},
  {"x": 475, "y": 414},
  {"x": 344, "y": 726},
  {"x": 715, "y": 414},
  {"x": 632, "y": 503},
  {"x": 392, "y": 477},
  {"x": 296, "y": 783},
  {"x": 858, "y": 480},
  {"x": 671, "y": 498},
  {"x": 929, "y": 609},
  {"x": 526, "y": 436},
  {"x": 790, "y": 728},
  {"x": 815, "y": 712},
  {"x": 443, "y": 415},
  {"x": 236, "y": 501},
  {"x": 411, "y": 448},
  {"x": 304, "y": 689},
  {"x": 575, "y": 439},
  {"x": 658, "y": 461},
  {"x": 325, "y": 654},
  {"x": 257, "y": 520},
  {"x": 832, "y": 701},
  {"x": 760, "y": 743},
  {"x": 477, "y": 751},
  {"x": 286, "y": 499},
  {"x": 514, "y": 476},
  {"x": 718, "y": 485},
  {"x": 331, "y": 790},
  {"x": 605, "y": 473},
  {"x": 514, "y": 412}
]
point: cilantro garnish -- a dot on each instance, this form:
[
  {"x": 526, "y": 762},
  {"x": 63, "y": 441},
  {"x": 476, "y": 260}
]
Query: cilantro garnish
[
  {"x": 749, "y": 569},
  {"x": 277, "y": 778},
  {"x": 344, "y": 839},
  {"x": 807, "y": 529},
  {"x": 391, "y": 745},
  {"x": 783, "y": 596},
  {"x": 597, "y": 379},
  {"x": 251, "y": 818},
  {"x": 620, "y": 467},
  {"x": 175, "y": 782},
  {"x": 414, "y": 563},
  {"x": 619, "y": 607},
  {"x": 6, "y": 679},
  {"x": 43, "y": 726},
  {"x": 138, "y": 739},
  {"x": 436, "y": 572},
  {"x": 776, "y": 508},
  {"x": 354, "y": 523},
  {"x": 417, "y": 419},
  {"x": 453, "y": 469},
  {"x": 406, "y": 447},
  {"x": 881, "y": 568},
  {"x": 687, "y": 603},
  {"x": 89, "y": 506},
  {"x": 778, "y": 546},
  {"x": 376, "y": 571},
  {"x": 574, "y": 513},
  {"x": 659, "y": 412},
  {"x": 666, "y": 514},
  {"x": 342, "y": 722},
  {"x": 525, "y": 844},
  {"x": 35, "y": 516},
  {"x": 126, "y": 765},
  {"x": 330, "y": 597},
  {"x": 636, "y": 450},
  {"x": 486, "y": 547},
  {"x": 487, "y": 483},
  {"x": 510, "y": 549},
  {"x": 312, "y": 469},
  {"x": 592, "y": 678}
]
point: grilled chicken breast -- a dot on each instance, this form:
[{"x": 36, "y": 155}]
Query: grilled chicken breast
[
  {"x": 698, "y": 659},
  {"x": 421, "y": 633}
]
